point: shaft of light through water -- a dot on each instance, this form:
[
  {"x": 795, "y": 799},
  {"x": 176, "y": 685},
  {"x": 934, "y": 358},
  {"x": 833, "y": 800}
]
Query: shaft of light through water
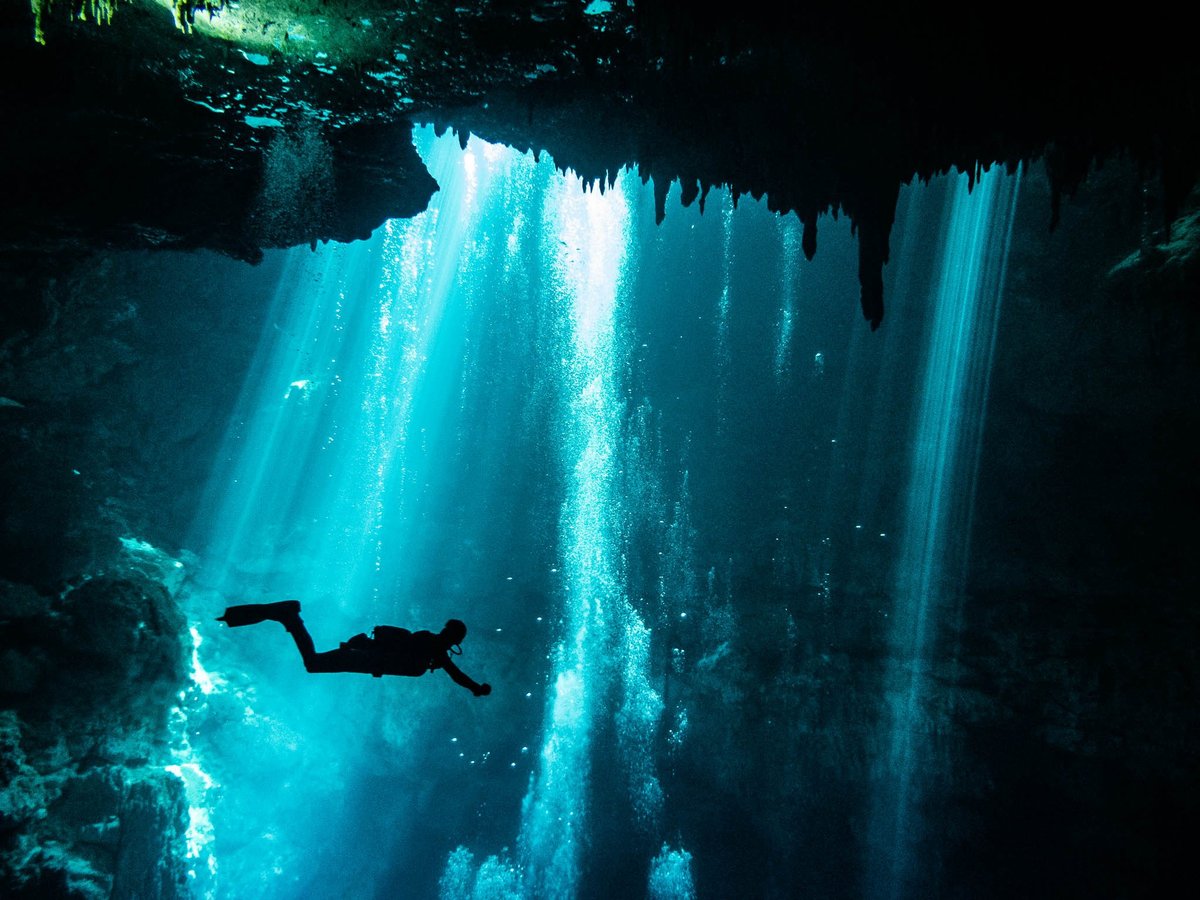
[
  {"x": 341, "y": 446},
  {"x": 946, "y": 444}
]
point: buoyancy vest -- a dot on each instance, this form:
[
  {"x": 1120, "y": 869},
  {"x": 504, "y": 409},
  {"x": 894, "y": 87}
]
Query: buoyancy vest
[{"x": 399, "y": 651}]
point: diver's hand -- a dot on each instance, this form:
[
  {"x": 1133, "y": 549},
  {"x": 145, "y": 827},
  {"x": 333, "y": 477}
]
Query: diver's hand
[{"x": 483, "y": 691}]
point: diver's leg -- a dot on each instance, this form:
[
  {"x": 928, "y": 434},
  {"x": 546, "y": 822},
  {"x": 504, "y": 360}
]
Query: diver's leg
[
  {"x": 304, "y": 642},
  {"x": 343, "y": 659}
]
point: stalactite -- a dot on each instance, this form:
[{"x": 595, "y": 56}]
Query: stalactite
[
  {"x": 809, "y": 241},
  {"x": 662, "y": 184}
]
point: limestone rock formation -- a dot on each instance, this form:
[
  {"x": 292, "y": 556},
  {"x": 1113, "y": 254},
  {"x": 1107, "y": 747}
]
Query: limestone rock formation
[
  {"x": 823, "y": 111},
  {"x": 87, "y": 679}
]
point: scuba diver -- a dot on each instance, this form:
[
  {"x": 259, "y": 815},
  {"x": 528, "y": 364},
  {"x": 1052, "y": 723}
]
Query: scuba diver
[{"x": 391, "y": 650}]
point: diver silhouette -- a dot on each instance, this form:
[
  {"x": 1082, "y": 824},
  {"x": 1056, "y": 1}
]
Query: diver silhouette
[{"x": 391, "y": 650}]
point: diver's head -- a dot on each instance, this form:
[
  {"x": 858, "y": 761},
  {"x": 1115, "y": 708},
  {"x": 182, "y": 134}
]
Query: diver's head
[{"x": 454, "y": 632}]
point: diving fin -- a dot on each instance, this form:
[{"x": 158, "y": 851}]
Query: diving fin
[{"x": 253, "y": 613}]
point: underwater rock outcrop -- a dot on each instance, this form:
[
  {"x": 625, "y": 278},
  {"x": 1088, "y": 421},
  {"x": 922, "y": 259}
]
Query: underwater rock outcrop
[
  {"x": 94, "y": 650},
  {"x": 87, "y": 807},
  {"x": 118, "y": 404}
]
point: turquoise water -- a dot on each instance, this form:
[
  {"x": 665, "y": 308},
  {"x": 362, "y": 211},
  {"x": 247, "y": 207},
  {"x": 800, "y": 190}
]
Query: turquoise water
[{"x": 664, "y": 474}]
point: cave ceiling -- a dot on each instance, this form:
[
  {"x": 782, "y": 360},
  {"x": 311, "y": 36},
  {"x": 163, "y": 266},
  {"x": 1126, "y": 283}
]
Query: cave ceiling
[{"x": 158, "y": 124}]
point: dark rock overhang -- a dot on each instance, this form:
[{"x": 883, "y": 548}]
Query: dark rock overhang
[{"x": 137, "y": 134}]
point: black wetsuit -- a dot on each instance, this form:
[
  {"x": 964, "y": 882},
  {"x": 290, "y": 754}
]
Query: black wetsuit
[
  {"x": 417, "y": 654},
  {"x": 401, "y": 653}
]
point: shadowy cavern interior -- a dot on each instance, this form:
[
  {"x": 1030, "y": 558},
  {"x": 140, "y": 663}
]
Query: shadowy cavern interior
[{"x": 797, "y": 405}]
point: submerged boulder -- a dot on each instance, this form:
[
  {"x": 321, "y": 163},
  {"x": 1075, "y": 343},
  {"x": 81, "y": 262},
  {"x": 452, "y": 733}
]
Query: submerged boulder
[{"x": 88, "y": 807}]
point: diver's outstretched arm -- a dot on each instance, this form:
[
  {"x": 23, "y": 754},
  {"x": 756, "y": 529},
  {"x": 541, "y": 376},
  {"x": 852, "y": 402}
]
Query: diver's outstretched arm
[{"x": 461, "y": 677}]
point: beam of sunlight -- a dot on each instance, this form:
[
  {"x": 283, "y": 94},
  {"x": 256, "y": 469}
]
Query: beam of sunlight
[
  {"x": 394, "y": 382},
  {"x": 355, "y": 342},
  {"x": 600, "y": 670},
  {"x": 726, "y": 299},
  {"x": 586, "y": 237},
  {"x": 328, "y": 469},
  {"x": 946, "y": 445},
  {"x": 789, "y": 236}
]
